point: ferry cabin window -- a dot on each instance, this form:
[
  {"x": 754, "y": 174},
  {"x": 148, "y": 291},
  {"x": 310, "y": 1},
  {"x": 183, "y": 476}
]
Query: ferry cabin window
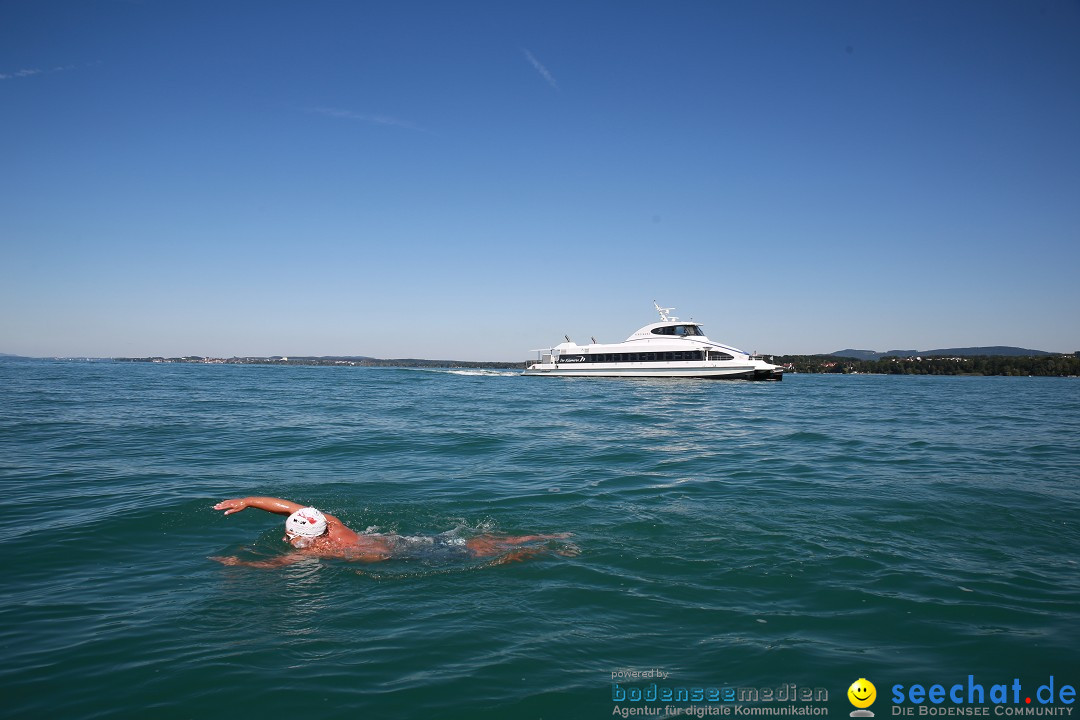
[
  {"x": 682, "y": 356},
  {"x": 678, "y": 330}
]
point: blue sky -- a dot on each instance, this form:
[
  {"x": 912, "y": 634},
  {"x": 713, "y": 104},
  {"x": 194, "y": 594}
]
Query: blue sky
[{"x": 469, "y": 180}]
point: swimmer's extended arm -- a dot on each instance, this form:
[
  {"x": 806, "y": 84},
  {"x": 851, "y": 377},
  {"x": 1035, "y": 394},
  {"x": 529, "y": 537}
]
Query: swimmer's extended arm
[
  {"x": 269, "y": 504},
  {"x": 268, "y": 564}
]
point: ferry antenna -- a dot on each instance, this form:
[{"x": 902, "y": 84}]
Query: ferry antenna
[{"x": 664, "y": 312}]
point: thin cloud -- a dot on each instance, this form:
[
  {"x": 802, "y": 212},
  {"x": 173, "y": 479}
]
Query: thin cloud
[
  {"x": 370, "y": 119},
  {"x": 539, "y": 67},
  {"x": 30, "y": 72},
  {"x": 21, "y": 73}
]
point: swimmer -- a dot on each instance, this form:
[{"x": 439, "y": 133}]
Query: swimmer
[{"x": 313, "y": 533}]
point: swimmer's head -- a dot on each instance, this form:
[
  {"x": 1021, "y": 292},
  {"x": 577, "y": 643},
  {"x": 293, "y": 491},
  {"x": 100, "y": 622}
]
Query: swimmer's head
[{"x": 304, "y": 525}]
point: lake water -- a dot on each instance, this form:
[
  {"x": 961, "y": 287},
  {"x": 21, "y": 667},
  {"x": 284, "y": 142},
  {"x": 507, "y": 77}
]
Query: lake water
[{"x": 907, "y": 530}]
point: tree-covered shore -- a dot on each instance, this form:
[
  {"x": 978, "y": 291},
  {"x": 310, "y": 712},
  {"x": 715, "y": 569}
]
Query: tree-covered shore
[{"x": 1043, "y": 366}]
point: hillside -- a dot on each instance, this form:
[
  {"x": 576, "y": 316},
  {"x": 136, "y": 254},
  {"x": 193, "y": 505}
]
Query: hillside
[{"x": 996, "y": 350}]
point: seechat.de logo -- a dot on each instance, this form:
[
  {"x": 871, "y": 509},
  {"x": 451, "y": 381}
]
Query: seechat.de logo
[{"x": 862, "y": 694}]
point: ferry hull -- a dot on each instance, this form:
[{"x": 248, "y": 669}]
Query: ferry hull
[{"x": 705, "y": 373}]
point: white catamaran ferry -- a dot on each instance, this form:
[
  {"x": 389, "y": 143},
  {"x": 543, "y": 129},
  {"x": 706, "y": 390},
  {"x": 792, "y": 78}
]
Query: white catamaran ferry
[{"x": 669, "y": 348}]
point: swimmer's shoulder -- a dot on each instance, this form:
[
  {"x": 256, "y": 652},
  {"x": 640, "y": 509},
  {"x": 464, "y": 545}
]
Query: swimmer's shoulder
[{"x": 339, "y": 532}]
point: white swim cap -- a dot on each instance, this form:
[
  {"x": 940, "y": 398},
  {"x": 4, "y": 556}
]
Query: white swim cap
[{"x": 306, "y": 522}]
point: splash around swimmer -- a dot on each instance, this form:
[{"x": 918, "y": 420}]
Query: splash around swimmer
[{"x": 311, "y": 532}]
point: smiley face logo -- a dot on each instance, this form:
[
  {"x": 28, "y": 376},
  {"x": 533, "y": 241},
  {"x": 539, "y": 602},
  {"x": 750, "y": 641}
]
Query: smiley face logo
[{"x": 862, "y": 693}]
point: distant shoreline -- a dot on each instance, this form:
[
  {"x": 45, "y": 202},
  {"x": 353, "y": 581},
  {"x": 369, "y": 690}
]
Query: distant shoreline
[
  {"x": 988, "y": 365},
  {"x": 974, "y": 366}
]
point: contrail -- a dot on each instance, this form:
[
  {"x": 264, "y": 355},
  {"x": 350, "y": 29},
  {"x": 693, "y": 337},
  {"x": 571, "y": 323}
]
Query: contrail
[{"x": 540, "y": 69}]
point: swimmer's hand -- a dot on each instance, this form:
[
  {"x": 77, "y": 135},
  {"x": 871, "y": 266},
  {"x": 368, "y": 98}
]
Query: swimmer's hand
[
  {"x": 227, "y": 560},
  {"x": 232, "y": 506}
]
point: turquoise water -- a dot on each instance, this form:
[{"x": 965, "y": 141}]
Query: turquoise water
[{"x": 815, "y": 531}]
